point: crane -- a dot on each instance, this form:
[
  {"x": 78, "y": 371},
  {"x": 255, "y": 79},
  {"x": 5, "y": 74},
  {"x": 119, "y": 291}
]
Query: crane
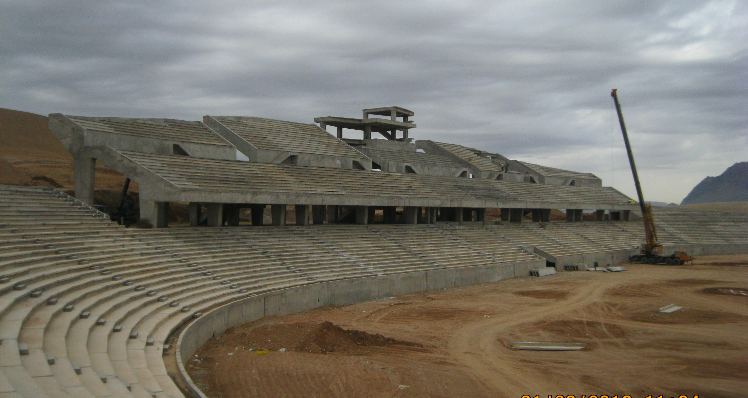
[{"x": 651, "y": 250}]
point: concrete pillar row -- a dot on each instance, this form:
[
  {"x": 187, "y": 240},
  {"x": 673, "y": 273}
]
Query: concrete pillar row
[
  {"x": 279, "y": 215},
  {"x": 85, "y": 173},
  {"x": 302, "y": 215},
  {"x": 516, "y": 215},
  {"x": 541, "y": 215},
  {"x": 573, "y": 215}
]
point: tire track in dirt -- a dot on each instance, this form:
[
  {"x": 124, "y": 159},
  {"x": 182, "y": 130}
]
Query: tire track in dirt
[{"x": 477, "y": 347}]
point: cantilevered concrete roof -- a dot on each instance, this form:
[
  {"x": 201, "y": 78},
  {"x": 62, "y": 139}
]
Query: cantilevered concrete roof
[
  {"x": 410, "y": 157},
  {"x": 188, "y": 179},
  {"x": 282, "y": 136},
  {"x": 166, "y": 129},
  {"x": 470, "y": 155},
  {"x": 553, "y": 172}
]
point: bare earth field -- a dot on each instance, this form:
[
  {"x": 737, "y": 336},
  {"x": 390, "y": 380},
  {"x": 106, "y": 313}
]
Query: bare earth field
[{"x": 455, "y": 343}]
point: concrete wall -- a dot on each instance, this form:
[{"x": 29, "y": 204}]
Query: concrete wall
[
  {"x": 349, "y": 291},
  {"x": 339, "y": 292}
]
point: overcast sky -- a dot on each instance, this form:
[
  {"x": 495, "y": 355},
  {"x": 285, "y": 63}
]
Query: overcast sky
[{"x": 528, "y": 79}]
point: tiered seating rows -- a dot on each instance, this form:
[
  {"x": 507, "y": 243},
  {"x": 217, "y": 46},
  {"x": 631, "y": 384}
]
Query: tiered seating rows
[{"x": 86, "y": 306}]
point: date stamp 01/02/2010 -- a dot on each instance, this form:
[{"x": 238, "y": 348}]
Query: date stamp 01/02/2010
[{"x": 608, "y": 396}]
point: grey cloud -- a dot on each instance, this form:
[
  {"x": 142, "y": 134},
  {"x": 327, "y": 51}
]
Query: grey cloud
[{"x": 523, "y": 78}]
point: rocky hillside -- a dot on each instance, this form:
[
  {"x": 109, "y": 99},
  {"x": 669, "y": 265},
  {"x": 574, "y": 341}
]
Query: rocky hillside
[{"x": 730, "y": 186}]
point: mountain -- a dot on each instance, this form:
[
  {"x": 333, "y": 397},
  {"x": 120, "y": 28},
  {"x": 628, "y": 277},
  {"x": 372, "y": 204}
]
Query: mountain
[
  {"x": 660, "y": 204},
  {"x": 730, "y": 186}
]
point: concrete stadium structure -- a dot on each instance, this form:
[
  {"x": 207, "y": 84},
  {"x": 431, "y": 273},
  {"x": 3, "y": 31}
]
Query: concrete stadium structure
[{"x": 89, "y": 308}]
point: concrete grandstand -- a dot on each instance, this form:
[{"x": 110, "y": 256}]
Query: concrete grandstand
[{"x": 89, "y": 308}]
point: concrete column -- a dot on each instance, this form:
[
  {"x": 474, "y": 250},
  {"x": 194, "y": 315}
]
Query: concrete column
[
  {"x": 332, "y": 214},
  {"x": 536, "y": 215},
  {"x": 420, "y": 216},
  {"x": 459, "y": 214},
  {"x": 467, "y": 214},
  {"x": 195, "y": 211},
  {"x": 431, "y": 211},
  {"x": 411, "y": 214},
  {"x": 372, "y": 214},
  {"x": 545, "y": 215},
  {"x": 215, "y": 214},
  {"x": 615, "y": 216},
  {"x": 362, "y": 215},
  {"x": 279, "y": 215},
  {"x": 367, "y": 132},
  {"x": 516, "y": 215},
  {"x": 258, "y": 214},
  {"x": 232, "y": 214},
  {"x": 84, "y": 169},
  {"x": 626, "y": 216},
  {"x": 318, "y": 214},
  {"x": 573, "y": 215},
  {"x": 505, "y": 213},
  {"x": 600, "y": 215},
  {"x": 148, "y": 209},
  {"x": 340, "y": 132},
  {"x": 480, "y": 215},
  {"x": 302, "y": 215}
]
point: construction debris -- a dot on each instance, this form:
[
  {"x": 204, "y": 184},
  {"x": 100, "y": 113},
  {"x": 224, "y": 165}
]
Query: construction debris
[
  {"x": 543, "y": 271},
  {"x": 670, "y": 309}
]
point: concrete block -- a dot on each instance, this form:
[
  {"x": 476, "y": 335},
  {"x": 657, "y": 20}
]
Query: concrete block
[{"x": 543, "y": 271}]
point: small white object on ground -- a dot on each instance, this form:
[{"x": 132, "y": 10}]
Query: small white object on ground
[{"x": 670, "y": 309}]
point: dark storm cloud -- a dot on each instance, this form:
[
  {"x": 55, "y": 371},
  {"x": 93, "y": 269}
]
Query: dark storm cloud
[{"x": 528, "y": 79}]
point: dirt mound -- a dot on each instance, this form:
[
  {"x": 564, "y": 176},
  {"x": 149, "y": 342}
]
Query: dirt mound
[
  {"x": 543, "y": 294},
  {"x": 311, "y": 337},
  {"x": 26, "y": 135}
]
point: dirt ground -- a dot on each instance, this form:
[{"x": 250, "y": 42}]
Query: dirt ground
[{"x": 456, "y": 343}]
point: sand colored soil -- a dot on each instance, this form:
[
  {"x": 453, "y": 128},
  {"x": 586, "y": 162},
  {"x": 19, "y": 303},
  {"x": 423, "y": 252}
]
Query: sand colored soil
[{"x": 456, "y": 343}]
